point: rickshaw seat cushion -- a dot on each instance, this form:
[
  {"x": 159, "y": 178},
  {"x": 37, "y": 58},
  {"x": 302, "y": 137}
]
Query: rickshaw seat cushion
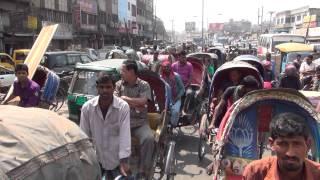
[{"x": 154, "y": 120}]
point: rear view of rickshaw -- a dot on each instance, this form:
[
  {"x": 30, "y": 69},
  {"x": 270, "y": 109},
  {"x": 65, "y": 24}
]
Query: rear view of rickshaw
[
  {"x": 83, "y": 88},
  {"x": 159, "y": 118},
  {"x": 190, "y": 111},
  {"x": 220, "y": 82},
  {"x": 244, "y": 132}
]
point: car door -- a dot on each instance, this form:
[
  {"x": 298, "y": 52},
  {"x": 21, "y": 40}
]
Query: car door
[{"x": 6, "y": 77}]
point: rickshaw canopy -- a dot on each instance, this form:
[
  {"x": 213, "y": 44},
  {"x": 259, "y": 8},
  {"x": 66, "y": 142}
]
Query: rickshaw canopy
[
  {"x": 253, "y": 60},
  {"x": 222, "y": 73},
  {"x": 203, "y": 55},
  {"x": 294, "y": 47}
]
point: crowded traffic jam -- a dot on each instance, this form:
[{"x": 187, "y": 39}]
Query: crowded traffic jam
[{"x": 125, "y": 110}]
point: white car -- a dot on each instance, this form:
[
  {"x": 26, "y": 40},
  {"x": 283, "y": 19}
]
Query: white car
[{"x": 7, "y": 77}]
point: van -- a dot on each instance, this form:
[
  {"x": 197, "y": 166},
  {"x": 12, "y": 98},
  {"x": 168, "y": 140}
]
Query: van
[{"x": 64, "y": 61}]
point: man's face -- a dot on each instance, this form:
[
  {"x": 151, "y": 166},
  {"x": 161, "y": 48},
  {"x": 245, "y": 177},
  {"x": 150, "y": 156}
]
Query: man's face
[
  {"x": 183, "y": 59},
  {"x": 268, "y": 57},
  {"x": 22, "y": 76},
  {"x": 105, "y": 90},
  {"x": 125, "y": 73},
  {"x": 298, "y": 58},
  {"x": 308, "y": 60},
  {"x": 234, "y": 76},
  {"x": 290, "y": 151},
  {"x": 166, "y": 70}
]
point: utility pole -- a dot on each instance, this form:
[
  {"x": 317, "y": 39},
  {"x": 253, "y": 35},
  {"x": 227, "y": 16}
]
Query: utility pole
[
  {"x": 172, "y": 31},
  {"x": 202, "y": 35},
  {"x": 270, "y": 12},
  {"x": 261, "y": 19}
]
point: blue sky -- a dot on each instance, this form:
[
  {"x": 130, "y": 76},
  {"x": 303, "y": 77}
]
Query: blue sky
[{"x": 221, "y": 10}]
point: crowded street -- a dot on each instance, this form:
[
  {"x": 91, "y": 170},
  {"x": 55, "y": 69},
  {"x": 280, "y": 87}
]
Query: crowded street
[{"x": 159, "y": 90}]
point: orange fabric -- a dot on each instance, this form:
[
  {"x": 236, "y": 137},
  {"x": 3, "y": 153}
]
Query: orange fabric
[{"x": 266, "y": 169}]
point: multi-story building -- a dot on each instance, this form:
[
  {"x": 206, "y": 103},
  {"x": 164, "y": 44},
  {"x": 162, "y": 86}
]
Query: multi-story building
[
  {"x": 145, "y": 19},
  {"x": 303, "y": 21},
  {"x": 291, "y": 20},
  {"x": 82, "y": 23}
]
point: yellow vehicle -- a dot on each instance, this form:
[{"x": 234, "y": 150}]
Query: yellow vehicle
[
  {"x": 6, "y": 61},
  {"x": 19, "y": 55},
  {"x": 287, "y": 53}
]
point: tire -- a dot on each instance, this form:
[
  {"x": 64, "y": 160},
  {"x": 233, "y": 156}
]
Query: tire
[{"x": 170, "y": 161}]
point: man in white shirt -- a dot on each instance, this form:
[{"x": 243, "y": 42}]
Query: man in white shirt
[
  {"x": 106, "y": 119},
  {"x": 307, "y": 67}
]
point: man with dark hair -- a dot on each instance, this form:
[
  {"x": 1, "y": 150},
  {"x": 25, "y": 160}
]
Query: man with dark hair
[
  {"x": 137, "y": 93},
  {"x": 106, "y": 119},
  {"x": 290, "y": 141},
  {"x": 154, "y": 64},
  {"x": 231, "y": 95},
  {"x": 307, "y": 67},
  {"x": 183, "y": 68},
  {"x": 25, "y": 88},
  {"x": 297, "y": 62}
]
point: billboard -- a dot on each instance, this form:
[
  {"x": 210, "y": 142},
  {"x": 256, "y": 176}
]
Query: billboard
[
  {"x": 214, "y": 27},
  {"x": 310, "y": 21},
  {"x": 190, "y": 26}
]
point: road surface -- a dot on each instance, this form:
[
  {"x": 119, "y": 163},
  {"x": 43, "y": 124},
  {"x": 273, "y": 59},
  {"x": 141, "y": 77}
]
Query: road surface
[{"x": 188, "y": 165}]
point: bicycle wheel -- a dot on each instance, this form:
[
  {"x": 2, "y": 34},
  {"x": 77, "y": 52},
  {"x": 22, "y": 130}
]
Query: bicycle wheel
[{"x": 60, "y": 98}]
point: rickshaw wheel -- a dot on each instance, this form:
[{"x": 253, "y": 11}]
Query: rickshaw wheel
[{"x": 202, "y": 138}]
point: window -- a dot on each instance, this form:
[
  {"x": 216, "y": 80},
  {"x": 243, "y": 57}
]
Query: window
[
  {"x": 282, "y": 20},
  {"x": 73, "y": 59},
  {"x": 128, "y": 6},
  {"x": 59, "y": 61},
  {"x": 86, "y": 59},
  {"x": 83, "y": 18},
  {"x": 299, "y": 18},
  {"x": 288, "y": 20},
  {"x": 278, "y": 21},
  {"x": 134, "y": 10},
  {"x": 293, "y": 19}
]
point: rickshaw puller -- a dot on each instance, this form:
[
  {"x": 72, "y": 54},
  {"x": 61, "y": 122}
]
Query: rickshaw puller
[
  {"x": 177, "y": 90},
  {"x": 137, "y": 93}
]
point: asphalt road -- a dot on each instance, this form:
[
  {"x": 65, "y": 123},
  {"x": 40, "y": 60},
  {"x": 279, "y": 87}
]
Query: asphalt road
[{"x": 187, "y": 164}]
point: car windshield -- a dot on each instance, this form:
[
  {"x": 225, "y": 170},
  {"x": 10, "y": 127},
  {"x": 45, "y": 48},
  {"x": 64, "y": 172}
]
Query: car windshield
[
  {"x": 21, "y": 56},
  {"x": 292, "y": 56},
  {"x": 85, "y": 82}
]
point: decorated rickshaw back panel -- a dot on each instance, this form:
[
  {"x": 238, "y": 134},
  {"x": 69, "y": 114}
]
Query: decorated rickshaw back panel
[{"x": 251, "y": 129}]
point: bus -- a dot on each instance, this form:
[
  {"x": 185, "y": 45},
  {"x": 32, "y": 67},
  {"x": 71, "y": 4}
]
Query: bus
[{"x": 267, "y": 42}]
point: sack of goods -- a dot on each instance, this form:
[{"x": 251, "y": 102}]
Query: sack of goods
[{"x": 37, "y": 144}]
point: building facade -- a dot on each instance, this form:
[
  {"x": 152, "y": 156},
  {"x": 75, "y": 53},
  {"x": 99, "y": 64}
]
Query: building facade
[
  {"x": 297, "y": 21},
  {"x": 82, "y": 23}
]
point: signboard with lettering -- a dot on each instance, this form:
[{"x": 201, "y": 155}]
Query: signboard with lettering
[
  {"x": 32, "y": 22},
  {"x": 190, "y": 26},
  {"x": 89, "y": 6},
  {"x": 214, "y": 27}
]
